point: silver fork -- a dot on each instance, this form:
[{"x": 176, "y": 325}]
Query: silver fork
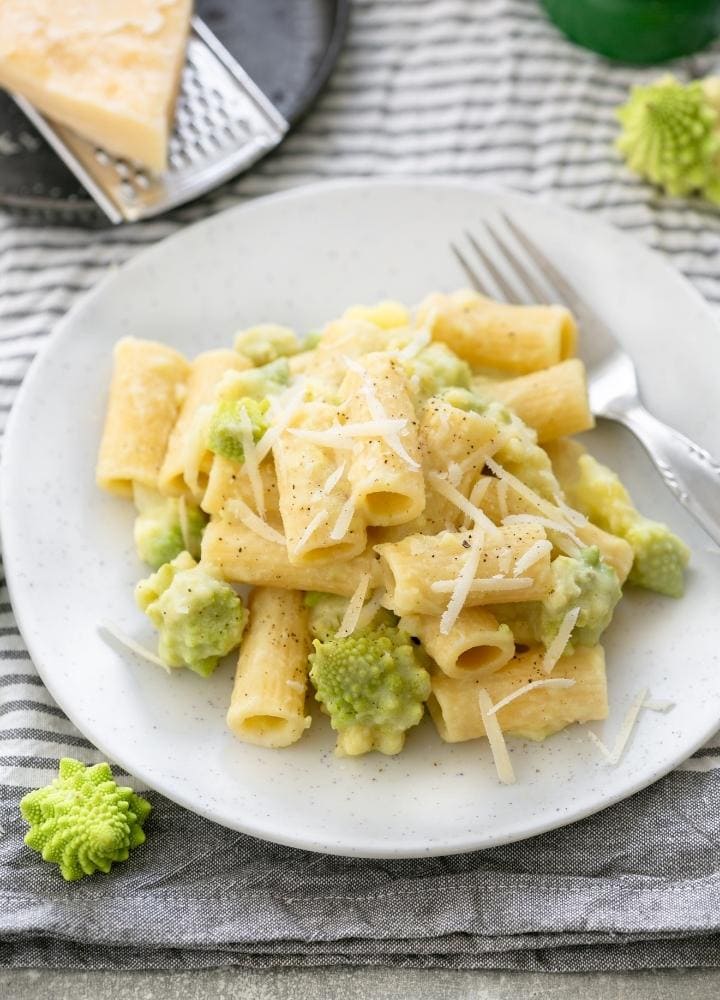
[{"x": 688, "y": 470}]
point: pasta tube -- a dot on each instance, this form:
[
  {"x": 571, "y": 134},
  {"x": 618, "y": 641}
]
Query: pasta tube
[
  {"x": 205, "y": 372},
  {"x": 420, "y": 571},
  {"x": 227, "y": 481},
  {"x": 475, "y": 646},
  {"x": 499, "y": 500},
  {"x": 385, "y": 472},
  {"x": 146, "y": 392},
  {"x": 240, "y": 555},
  {"x": 490, "y": 334},
  {"x": 534, "y": 715},
  {"x": 312, "y": 495},
  {"x": 267, "y": 706},
  {"x": 553, "y": 401}
]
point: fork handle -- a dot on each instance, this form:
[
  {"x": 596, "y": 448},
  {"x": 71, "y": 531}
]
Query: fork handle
[{"x": 688, "y": 471}]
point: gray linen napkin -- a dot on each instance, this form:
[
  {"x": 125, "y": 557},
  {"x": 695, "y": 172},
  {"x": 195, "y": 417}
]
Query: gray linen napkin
[{"x": 425, "y": 87}]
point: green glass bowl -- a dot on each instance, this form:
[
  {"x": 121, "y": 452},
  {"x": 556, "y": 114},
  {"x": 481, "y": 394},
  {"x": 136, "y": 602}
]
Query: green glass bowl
[{"x": 638, "y": 31}]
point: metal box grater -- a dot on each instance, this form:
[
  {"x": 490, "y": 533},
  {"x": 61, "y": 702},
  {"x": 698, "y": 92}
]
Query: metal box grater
[{"x": 223, "y": 124}]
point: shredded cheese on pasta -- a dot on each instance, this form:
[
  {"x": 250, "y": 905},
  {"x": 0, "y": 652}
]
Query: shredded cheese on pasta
[
  {"x": 239, "y": 509},
  {"x": 133, "y": 646},
  {"x": 377, "y": 412},
  {"x": 283, "y": 413},
  {"x": 449, "y": 492},
  {"x": 347, "y": 512},
  {"x": 371, "y": 608},
  {"x": 310, "y": 530},
  {"x": 344, "y": 435},
  {"x": 461, "y": 586},
  {"x": 559, "y": 682},
  {"x": 498, "y": 746},
  {"x": 550, "y": 510},
  {"x": 354, "y": 608},
  {"x": 332, "y": 480},
  {"x": 497, "y": 583},
  {"x": 557, "y": 647},
  {"x": 250, "y": 461},
  {"x": 534, "y": 554}
]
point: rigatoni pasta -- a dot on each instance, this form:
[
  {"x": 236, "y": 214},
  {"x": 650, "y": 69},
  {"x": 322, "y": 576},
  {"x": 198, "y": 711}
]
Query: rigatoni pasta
[{"x": 399, "y": 497}]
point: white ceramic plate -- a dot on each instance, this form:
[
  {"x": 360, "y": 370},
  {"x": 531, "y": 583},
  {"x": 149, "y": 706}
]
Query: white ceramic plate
[{"x": 299, "y": 259}]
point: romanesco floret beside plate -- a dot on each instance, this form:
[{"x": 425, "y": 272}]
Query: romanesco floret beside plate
[
  {"x": 83, "y": 821},
  {"x": 199, "y": 618},
  {"x": 160, "y": 534},
  {"x": 373, "y": 685}
]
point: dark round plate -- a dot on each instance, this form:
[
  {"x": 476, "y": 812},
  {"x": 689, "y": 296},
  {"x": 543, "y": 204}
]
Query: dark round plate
[{"x": 288, "y": 47}]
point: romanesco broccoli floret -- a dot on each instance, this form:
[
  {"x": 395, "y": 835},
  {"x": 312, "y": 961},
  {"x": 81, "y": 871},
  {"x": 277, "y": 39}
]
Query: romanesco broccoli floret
[
  {"x": 83, "y": 821},
  {"x": 327, "y": 611},
  {"x": 586, "y": 582},
  {"x": 165, "y": 527},
  {"x": 267, "y": 342},
  {"x": 521, "y": 455},
  {"x": 231, "y": 419},
  {"x": 660, "y": 556},
  {"x": 257, "y": 383},
  {"x": 199, "y": 618},
  {"x": 436, "y": 368},
  {"x": 373, "y": 685}
]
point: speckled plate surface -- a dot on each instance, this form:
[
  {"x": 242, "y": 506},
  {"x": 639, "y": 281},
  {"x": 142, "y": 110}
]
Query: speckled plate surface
[{"x": 299, "y": 259}]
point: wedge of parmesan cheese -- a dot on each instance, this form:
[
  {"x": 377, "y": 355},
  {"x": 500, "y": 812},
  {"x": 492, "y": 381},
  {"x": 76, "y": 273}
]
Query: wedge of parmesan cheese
[{"x": 108, "y": 69}]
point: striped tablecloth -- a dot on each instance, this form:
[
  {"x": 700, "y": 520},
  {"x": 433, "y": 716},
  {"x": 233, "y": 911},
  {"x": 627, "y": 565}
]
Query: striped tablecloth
[{"x": 461, "y": 88}]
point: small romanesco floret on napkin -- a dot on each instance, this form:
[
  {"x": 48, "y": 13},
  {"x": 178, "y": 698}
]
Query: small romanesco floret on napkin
[
  {"x": 83, "y": 821},
  {"x": 165, "y": 527},
  {"x": 670, "y": 135},
  {"x": 660, "y": 556},
  {"x": 267, "y": 342},
  {"x": 232, "y": 421},
  {"x": 199, "y": 618},
  {"x": 373, "y": 685}
]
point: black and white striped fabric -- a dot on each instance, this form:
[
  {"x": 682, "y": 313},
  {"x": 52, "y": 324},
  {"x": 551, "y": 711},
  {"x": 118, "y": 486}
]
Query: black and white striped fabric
[{"x": 459, "y": 88}]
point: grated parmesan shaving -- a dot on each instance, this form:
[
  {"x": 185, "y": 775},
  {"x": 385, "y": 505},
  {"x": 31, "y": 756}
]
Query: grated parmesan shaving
[
  {"x": 454, "y": 474},
  {"x": 133, "y": 646},
  {"x": 332, "y": 480},
  {"x": 534, "y": 554},
  {"x": 184, "y": 526},
  {"x": 557, "y": 647},
  {"x": 550, "y": 510},
  {"x": 239, "y": 509},
  {"x": 623, "y": 737},
  {"x": 343, "y": 435},
  {"x": 377, "y": 412},
  {"x": 502, "y": 492},
  {"x": 310, "y": 530},
  {"x": 347, "y": 512},
  {"x": 505, "y": 554},
  {"x": 418, "y": 342},
  {"x": 288, "y": 404},
  {"x": 461, "y": 587},
  {"x": 195, "y": 446},
  {"x": 544, "y": 522},
  {"x": 372, "y": 607},
  {"x": 560, "y": 682},
  {"x": 572, "y": 515},
  {"x": 498, "y": 746},
  {"x": 250, "y": 461},
  {"x": 354, "y": 608},
  {"x": 479, "y": 586},
  {"x": 447, "y": 490},
  {"x": 653, "y": 705}
]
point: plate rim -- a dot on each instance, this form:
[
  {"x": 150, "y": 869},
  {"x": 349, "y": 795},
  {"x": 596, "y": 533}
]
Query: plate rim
[{"x": 466, "y": 843}]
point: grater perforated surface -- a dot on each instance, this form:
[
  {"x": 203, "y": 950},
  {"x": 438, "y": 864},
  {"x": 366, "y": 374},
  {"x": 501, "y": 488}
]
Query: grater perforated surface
[{"x": 223, "y": 123}]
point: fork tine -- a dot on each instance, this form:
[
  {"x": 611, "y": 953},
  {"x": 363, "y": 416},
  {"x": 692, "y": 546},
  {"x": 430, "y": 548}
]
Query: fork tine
[
  {"x": 472, "y": 275},
  {"x": 558, "y": 284},
  {"x": 501, "y": 282},
  {"x": 534, "y": 290}
]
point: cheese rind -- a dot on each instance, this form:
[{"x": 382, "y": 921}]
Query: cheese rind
[{"x": 108, "y": 69}]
